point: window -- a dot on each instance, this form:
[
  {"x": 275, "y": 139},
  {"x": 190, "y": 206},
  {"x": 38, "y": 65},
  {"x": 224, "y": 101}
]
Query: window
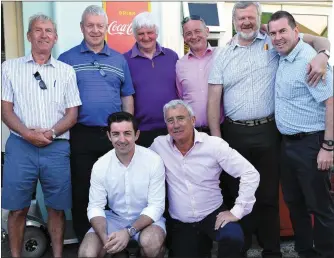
[{"x": 210, "y": 12}]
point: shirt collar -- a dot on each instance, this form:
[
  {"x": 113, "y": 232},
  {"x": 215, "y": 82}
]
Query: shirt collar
[
  {"x": 136, "y": 52},
  {"x": 105, "y": 50},
  {"x": 198, "y": 138},
  {"x": 294, "y": 52},
  {"x": 258, "y": 36},
  {"x": 132, "y": 160},
  {"x": 209, "y": 49},
  {"x": 52, "y": 62}
]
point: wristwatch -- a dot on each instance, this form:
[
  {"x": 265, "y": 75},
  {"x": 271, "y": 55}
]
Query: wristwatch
[
  {"x": 131, "y": 230},
  {"x": 329, "y": 143},
  {"x": 53, "y": 134},
  {"x": 326, "y": 52}
]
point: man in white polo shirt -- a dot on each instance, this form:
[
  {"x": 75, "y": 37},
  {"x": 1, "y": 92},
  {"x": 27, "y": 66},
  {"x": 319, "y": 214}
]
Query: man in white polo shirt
[{"x": 40, "y": 100}]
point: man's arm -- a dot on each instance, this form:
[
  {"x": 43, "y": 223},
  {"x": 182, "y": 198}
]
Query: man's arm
[
  {"x": 179, "y": 91},
  {"x": 96, "y": 205},
  {"x": 14, "y": 123},
  {"x": 214, "y": 102},
  {"x": 316, "y": 69},
  {"x": 237, "y": 166},
  {"x": 325, "y": 157},
  {"x": 65, "y": 123},
  {"x": 127, "y": 104}
]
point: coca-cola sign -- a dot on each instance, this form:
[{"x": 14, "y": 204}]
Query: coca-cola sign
[
  {"x": 116, "y": 28},
  {"x": 120, "y": 16}
]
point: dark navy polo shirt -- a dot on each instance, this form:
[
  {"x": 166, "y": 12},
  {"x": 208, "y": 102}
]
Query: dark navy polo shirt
[{"x": 100, "y": 95}]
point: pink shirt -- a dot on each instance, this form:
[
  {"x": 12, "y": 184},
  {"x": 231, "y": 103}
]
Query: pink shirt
[
  {"x": 193, "y": 179},
  {"x": 192, "y": 75}
]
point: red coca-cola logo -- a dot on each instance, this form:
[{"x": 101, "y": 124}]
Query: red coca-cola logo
[{"x": 116, "y": 28}]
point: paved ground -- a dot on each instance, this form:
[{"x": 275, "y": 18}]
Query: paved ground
[{"x": 72, "y": 250}]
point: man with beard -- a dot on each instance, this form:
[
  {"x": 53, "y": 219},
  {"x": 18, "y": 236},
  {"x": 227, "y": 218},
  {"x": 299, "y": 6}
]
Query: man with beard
[
  {"x": 246, "y": 69},
  {"x": 105, "y": 87}
]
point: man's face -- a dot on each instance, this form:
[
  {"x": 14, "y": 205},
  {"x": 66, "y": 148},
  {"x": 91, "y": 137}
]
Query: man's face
[
  {"x": 123, "y": 137},
  {"x": 146, "y": 38},
  {"x": 195, "y": 35},
  {"x": 180, "y": 124},
  {"x": 283, "y": 37},
  {"x": 247, "y": 22},
  {"x": 42, "y": 36},
  {"x": 94, "y": 29}
]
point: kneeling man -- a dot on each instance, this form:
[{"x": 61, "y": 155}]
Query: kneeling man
[
  {"x": 132, "y": 179},
  {"x": 194, "y": 162}
]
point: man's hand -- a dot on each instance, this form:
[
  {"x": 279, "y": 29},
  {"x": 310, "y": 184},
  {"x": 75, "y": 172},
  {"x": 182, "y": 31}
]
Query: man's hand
[
  {"x": 117, "y": 241},
  {"x": 48, "y": 134},
  {"x": 325, "y": 159},
  {"x": 223, "y": 218},
  {"x": 37, "y": 138},
  {"x": 316, "y": 69}
]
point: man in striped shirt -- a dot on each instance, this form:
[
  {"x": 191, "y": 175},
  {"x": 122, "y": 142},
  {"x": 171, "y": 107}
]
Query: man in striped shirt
[
  {"x": 105, "y": 87},
  {"x": 40, "y": 100}
]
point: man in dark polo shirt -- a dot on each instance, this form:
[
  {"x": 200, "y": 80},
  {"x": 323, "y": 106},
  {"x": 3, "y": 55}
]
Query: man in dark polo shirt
[
  {"x": 105, "y": 87},
  {"x": 153, "y": 74}
]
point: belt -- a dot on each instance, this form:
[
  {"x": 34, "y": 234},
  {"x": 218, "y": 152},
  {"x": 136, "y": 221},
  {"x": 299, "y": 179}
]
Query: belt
[
  {"x": 254, "y": 122},
  {"x": 204, "y": 129},
  {"x": 299, "y": 136}
]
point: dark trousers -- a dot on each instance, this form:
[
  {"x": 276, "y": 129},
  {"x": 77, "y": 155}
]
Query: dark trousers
[
  {"x": 87, "y": 145},
  {"x": 260, "y": 146},
  {"x": 146, "y": 138},
  {"x": 306, "y": 191},
  {"x": 195, "y": 239}
]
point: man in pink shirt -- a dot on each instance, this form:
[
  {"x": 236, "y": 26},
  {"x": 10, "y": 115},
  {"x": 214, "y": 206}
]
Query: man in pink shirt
[
  {"x": 194, "y": 161},
  {"x": 192, "y": 70}
]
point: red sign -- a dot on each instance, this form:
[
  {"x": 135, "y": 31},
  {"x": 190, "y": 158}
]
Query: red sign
[{"x": 120, "y": 16}]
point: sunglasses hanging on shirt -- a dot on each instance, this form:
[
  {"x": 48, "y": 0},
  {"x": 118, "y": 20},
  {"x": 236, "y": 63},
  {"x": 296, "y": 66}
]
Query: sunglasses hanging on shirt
[{"x": 41, "y": 83}]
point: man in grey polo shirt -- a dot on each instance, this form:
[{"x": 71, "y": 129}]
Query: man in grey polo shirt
[
  {"x": 40, "y": 100},
  {"x": 304, "y": 116},
  {"x": 246, "y": 70}
]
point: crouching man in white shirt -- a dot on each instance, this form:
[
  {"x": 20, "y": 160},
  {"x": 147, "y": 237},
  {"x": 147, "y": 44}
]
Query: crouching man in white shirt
[{"x": 132, "y": 179}]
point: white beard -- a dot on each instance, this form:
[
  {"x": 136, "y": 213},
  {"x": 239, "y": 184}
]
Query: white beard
[{"x": 248, "y": 36}]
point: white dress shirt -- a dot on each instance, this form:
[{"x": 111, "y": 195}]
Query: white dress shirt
[
  {"x": 193, "y": 179},
  {"x": 138, "y": 189}
]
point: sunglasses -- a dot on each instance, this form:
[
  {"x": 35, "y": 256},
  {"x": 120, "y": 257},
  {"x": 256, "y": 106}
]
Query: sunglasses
[
  {"x": 192, "y": 17},
  {"x": 41, "y": 83},
  {"x": 99, "y": 67}
]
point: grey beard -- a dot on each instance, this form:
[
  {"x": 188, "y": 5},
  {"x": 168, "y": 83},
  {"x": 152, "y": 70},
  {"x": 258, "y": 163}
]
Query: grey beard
[{"x": 248, "y": 36}]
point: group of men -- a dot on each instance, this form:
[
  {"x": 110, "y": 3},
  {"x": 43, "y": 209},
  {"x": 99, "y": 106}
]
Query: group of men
[{"x": 213, "y": 119}]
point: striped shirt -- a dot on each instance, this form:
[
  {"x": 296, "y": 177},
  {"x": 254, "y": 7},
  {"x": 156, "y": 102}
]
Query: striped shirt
[
  {"x": 299, "y": 107},
  {"x": 37, "y": 108},
  {"x": 102, "y": 79},
  {"x": 247, "y": 74}
]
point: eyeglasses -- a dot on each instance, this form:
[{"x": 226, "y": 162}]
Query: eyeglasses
[
  {"x": 98, "y": 66},
  {"x": 179, "y": 119},
  {"x": 192, "y": 17},
  {"x": 41, "y": 83}
]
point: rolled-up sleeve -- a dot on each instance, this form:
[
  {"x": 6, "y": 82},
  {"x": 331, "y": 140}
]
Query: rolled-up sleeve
[
  {"x": 97, "y": 195},
  {"x": 237, "y": 166},
  {"x": 156, "y": 193}
]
